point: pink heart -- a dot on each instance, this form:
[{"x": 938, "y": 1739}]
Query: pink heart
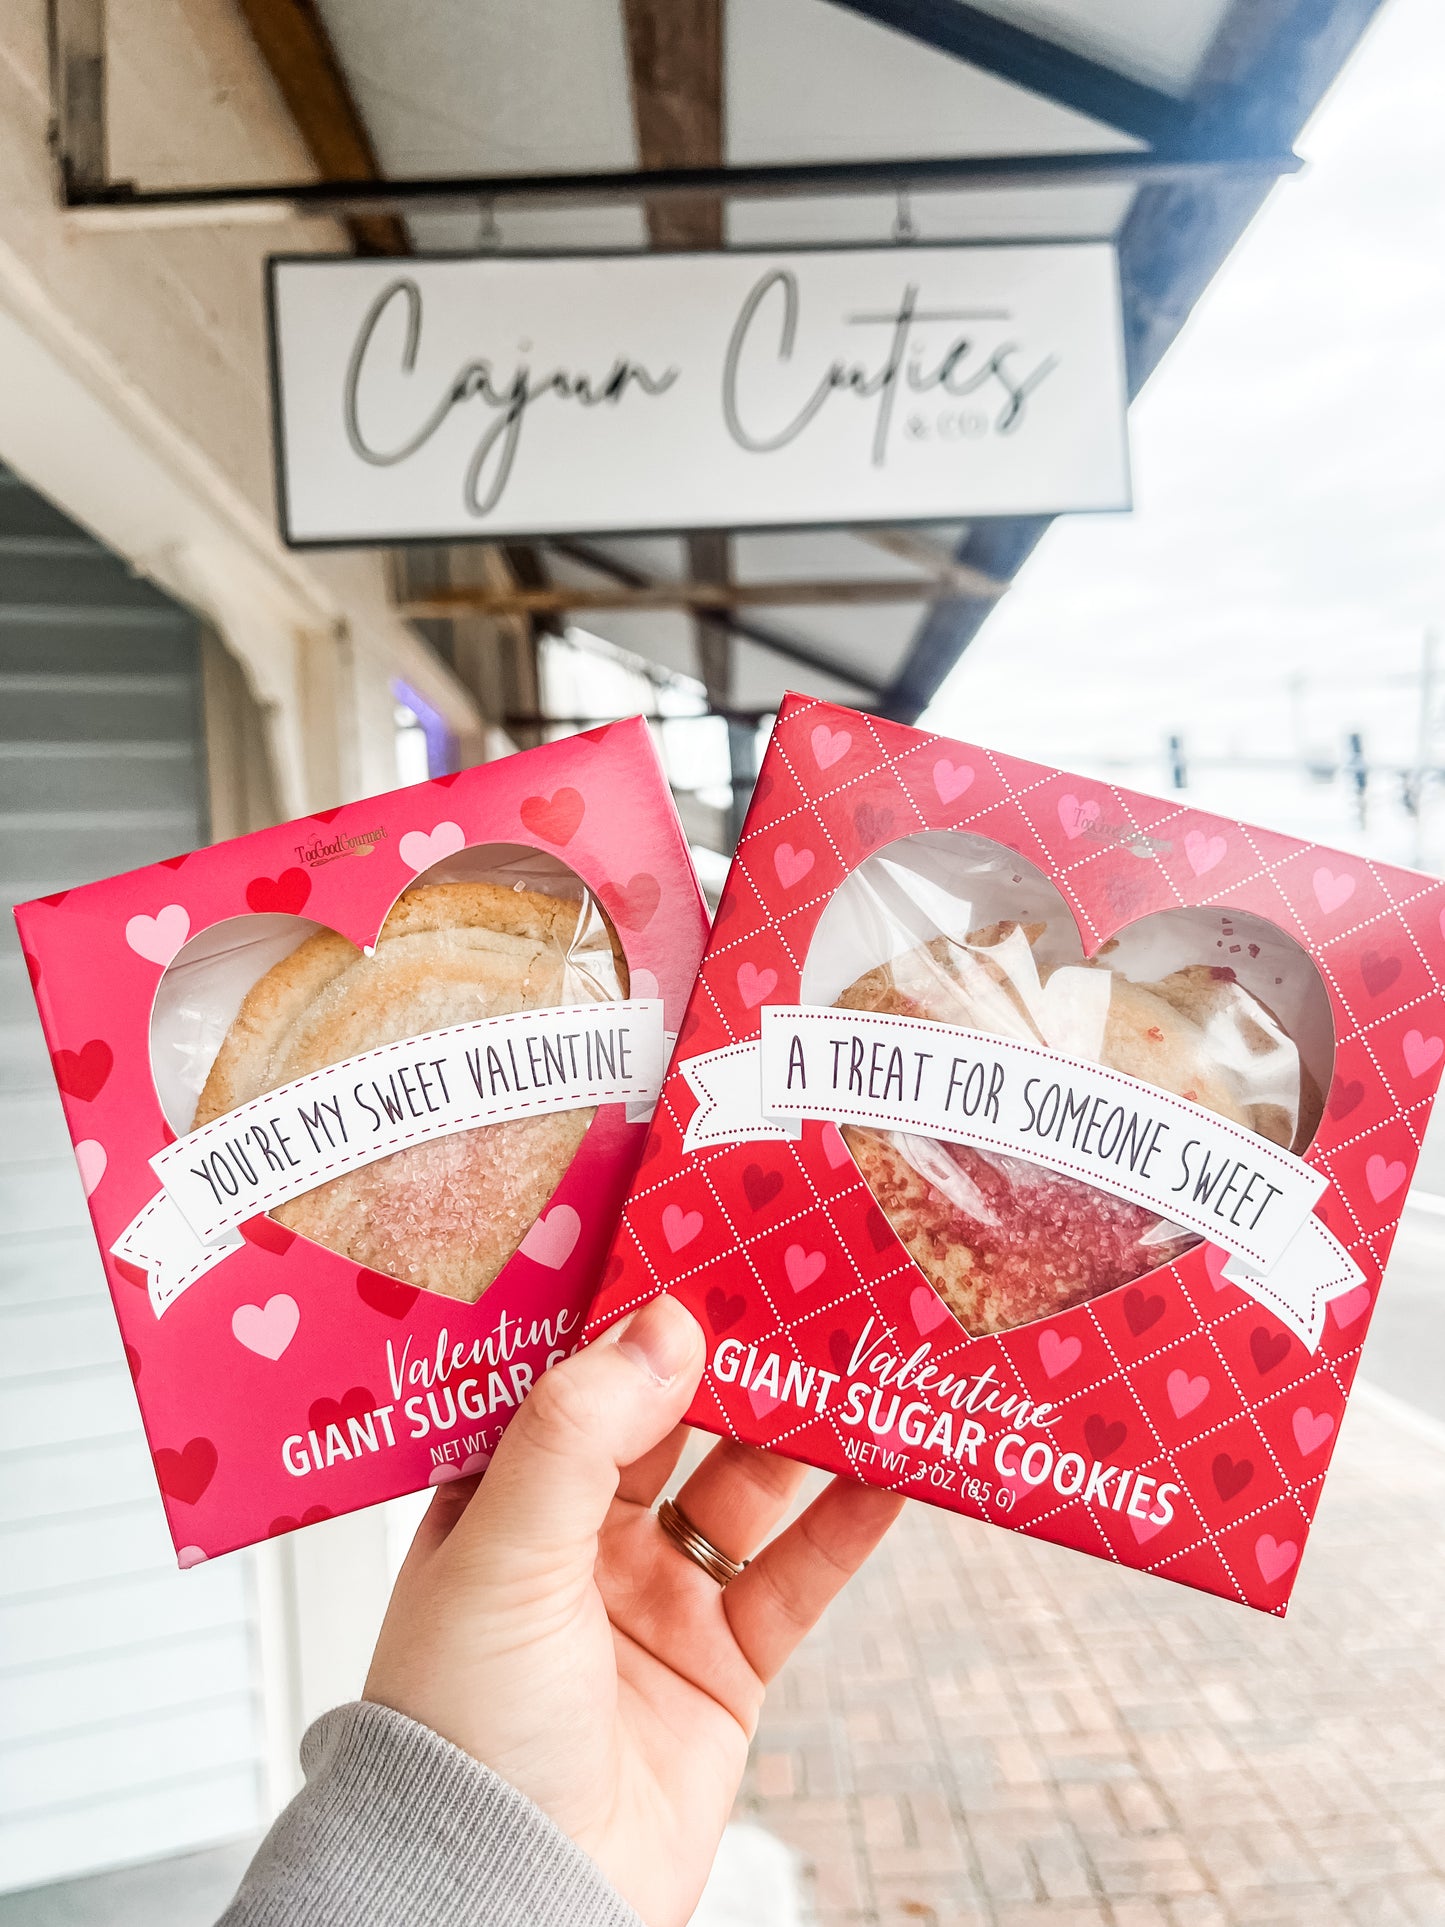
[
  {"x": 804, "y": 1268},
  {"x": 1350, "y": 1305},
  {"x": 1146, "y": 1528},
  {"x": 474, "y": 1463},
  {"x": 189, "y": 1556},
  {"x": 1384, "y": 1176},
  {"x": 642, "y": 983},
  {"x": 1215, "y": 1259},
  {"x": 1204, "y": 851},
  {"x": 830, "y": 746},
  {"x": 754, "y": 984},
  {"x": 1331, "y": 890},
  {"x": 1075, "y": 816},
  {"x": 420, "y": 849},
  {"x": 158, "y": 938},
  {"x": 267, "y": 1329},
  {"x": 1421, "y": 1053},
  {"x": 1311, "y": 1429},
  {"x": 1058, "y": 1354},
  {"x": 927, "y": 1307},
  {"x": 1185, "y": 1392},
  {"x": 680, "y": 1227},
  {"x": 1274, "y": 1556},
  {"x": 444, "y": 1473},
  {"x": 834, "y": 1148},
  {"x": 951, "y": 779},
  {"x": 791, "y": 865},
  {"x": 763, "y": 1402},
  {"x": 91, "y": 1159},
  {"x": 553, "y": 1238}
]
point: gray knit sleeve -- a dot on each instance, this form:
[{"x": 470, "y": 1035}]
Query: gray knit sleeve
[{"x": 396, "y": 1827}]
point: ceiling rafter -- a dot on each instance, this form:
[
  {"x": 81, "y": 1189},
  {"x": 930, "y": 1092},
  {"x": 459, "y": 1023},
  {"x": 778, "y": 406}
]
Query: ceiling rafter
[
  {"x": 1028, "y": 60},
  {"x": 787, "y": 648},
  {"x": 295, "y": 45}
]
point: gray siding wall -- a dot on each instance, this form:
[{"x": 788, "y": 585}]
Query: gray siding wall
[{"x": 130, "y": 1721}]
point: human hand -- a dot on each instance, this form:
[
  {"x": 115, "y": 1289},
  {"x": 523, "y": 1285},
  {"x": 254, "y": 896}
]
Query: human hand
[{"x": 545, "y": 1623}]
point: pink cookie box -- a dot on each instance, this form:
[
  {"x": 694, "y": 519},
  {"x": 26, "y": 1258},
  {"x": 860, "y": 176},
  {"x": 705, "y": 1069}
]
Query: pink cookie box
[{"x": 284, "y": 1383}]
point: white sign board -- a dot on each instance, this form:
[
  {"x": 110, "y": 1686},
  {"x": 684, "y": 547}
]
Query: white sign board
[{"x": 464, "y": 396}]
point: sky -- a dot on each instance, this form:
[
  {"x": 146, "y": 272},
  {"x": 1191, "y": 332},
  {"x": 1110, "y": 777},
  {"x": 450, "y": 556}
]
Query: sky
[{"x": 1285, "y": 558}]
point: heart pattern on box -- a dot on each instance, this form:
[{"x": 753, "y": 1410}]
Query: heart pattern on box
[
  {"x": 231, "y": 1372},
  {"x": 1241, "y": 1441}
]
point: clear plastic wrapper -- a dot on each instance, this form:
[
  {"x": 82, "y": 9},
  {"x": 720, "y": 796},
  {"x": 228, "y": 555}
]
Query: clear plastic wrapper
[
  {"x": 1218, "y": 1007},
  {"x": 257, "y": 1001}
]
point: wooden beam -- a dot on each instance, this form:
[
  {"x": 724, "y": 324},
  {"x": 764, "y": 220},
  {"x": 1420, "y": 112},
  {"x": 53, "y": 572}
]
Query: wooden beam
[
  {"x": 560, "y": 600},
  {"x": 295, "y": 45},
  {"x": 787, "y": 648},
  {"x": 966, "y": 581},
  {"x": 674, "y": 59}
]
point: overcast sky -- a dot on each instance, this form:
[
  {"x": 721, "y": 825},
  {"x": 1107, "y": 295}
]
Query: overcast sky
[{"x": 1289, "y": 521}]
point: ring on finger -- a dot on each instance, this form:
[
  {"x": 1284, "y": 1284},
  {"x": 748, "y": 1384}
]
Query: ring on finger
[{"x": 695, "y": 1546}]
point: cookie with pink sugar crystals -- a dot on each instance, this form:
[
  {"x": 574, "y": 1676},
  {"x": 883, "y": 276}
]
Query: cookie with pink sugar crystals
[{"x": 447, "y": 1214}]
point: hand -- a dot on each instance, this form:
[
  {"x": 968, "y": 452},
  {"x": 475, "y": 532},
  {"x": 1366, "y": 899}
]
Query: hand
[{"x": 545, "y": 1623}]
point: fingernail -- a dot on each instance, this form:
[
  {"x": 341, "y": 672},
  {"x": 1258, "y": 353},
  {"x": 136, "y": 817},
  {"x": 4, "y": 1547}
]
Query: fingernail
[{"x": 660, "y": 1339}]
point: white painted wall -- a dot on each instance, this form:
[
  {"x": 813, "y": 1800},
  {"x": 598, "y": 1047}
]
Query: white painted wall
[
  {"x": 133, "y": 395},
  {"x": 133, "y": 384}
]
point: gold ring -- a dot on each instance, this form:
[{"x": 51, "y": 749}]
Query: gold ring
[{"x": 702, "y": 1552}]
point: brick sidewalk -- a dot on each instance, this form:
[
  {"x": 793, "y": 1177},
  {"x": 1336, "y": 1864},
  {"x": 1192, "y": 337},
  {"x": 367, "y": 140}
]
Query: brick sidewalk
[{"x": 988, "y": 1730}]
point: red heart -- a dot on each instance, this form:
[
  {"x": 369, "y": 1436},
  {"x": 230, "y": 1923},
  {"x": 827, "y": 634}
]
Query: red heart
[
  {"x": 445, "y": 782},
  {"x": 32, "y": 966},
  {"x": 327, "y": 816},
  {"x": 284, "y": 894},
  {"x": 82, "y": 1073},
  {"x": 1231, "y": 1476},
  {"x": 185, "y": 1474},
  {"x": 554, "y": 818},
  {"x": 1102, "y": 1438},
  {"x": 879, "y": 1230},
  {"x": 1141, "y": 1311},
  {"x": 1344, "y": 1098},
  {"x": 722, "y": 1311},
  {"x": 1378, "y": 972},
  {"x": 1267, "y": 1348},
  {"x": 267, "y": 1235},
  {"x": 133, "y": 1274},
  {"x": 761, "y": 1186},
  {"x": 357, "y": 1403},
  {"x": 313, "y": 1515},
  {"x": 840, "y": 1350},
  {"x": 57, "y": 897},
  {"x": 132, "y": 1358},
  {"x": 173, "y": 862},
  {"x": 636, "y": 901},
  {"x": 387, "y": 1295}
]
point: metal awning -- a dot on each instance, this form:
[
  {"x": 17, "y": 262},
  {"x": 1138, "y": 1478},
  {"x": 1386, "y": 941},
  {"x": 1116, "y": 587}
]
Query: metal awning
[{"x": 524, "y": 124}]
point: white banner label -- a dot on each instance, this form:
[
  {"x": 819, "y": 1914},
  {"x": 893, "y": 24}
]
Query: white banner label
[
  {"x": 486, "y": 396},
  {"x": 292, "y": 1139},
  {"x": 1188, "y": 1164}
]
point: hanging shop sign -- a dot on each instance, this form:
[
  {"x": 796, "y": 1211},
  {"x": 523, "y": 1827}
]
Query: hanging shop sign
[{"x": 454, "y": 397}]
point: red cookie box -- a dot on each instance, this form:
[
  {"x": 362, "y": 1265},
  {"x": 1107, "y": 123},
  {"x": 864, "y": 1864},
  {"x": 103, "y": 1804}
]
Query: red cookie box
[
  {"x": 1179, "y": 1382},
  {"x": 284, "y": 1339}
]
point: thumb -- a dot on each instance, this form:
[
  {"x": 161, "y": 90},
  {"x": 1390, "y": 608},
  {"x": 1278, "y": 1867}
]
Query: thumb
[{"x": 555, "y": 1472}]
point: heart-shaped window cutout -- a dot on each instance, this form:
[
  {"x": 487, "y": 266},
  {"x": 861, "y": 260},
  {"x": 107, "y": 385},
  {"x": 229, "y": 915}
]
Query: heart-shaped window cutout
[
  {"x": 1215, "y": 1005},
  {"x": 256, "y": 1001}
]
